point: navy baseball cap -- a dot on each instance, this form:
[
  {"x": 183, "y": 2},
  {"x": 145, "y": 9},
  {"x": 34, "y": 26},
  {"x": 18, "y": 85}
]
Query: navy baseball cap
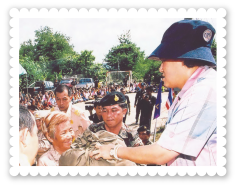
[{"x": 186, "y": 39}]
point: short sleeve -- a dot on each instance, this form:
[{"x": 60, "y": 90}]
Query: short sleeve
[{"x": 192, "y": 123}]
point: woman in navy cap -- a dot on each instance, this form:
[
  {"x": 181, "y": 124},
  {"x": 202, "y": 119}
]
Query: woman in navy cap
[{"x": 190, "y": 135}]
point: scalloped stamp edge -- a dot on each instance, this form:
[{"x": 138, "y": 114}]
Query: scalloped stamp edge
[{"x": 16, "y": 14}]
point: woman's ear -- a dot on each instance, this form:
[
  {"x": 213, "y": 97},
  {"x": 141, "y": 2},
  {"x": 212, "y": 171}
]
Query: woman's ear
[{"x": 48, "y": 137}]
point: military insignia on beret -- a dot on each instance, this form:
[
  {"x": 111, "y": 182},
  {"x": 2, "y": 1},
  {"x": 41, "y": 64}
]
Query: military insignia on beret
[
  {"x": 71, "y": 121},
  {"x": 207, "y": 35},
  {"x": 116, "y": 98}
]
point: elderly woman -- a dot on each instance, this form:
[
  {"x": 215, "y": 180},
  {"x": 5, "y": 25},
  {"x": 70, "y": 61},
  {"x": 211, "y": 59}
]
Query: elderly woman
[{"x": 60, "y": 134}]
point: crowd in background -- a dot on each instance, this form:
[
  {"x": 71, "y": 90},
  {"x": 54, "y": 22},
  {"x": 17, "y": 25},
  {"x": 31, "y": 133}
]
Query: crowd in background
[{"x": 45, "y": 100}]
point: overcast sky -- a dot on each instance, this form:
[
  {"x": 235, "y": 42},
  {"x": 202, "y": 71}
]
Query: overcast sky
[{"x": 99, "y": 35}]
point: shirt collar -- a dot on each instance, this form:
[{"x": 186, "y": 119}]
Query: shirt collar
[
  {"x": 54, "y": 153},
  {"x": 190, "y": 82},
  {"x": 69, "y": 110}
]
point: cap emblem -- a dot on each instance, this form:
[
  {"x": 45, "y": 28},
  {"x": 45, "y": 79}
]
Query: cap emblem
[
  {"x": 116, "y": 98},
  {"x": 207, "y": 35}
]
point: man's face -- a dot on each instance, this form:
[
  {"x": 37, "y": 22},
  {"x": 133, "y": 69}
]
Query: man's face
[
  {"x": 171, "y": 70},
  {"x": 63, "y": 100},
  {"x": 144, "y": 136},
  {"x": 64, "y": 136},
  {"x": 113, "y": 115},
  {"x": 98, "y": 110}
]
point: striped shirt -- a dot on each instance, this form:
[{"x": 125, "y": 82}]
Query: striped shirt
[{"x": 191, "y": 125}]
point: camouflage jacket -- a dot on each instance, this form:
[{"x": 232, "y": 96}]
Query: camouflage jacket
[
  {"x": 149, "y": 143},
  {"x": 130, "y": 137}
]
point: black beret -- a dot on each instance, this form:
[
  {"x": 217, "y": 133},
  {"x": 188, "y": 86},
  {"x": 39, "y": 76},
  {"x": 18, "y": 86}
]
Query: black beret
[
  {"x": 113, "y": 98},
  {"x": 142, "y": 129}
]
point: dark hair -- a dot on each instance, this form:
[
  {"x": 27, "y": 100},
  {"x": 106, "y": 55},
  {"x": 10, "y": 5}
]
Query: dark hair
[
  {"x": 195, "y": 62},
  {"x": 148, "y": 132},
  {"x": 61, "y": 88},
  {"x": 25, "y": 119},
  {"x": 150, "y": 88},
  {"x": 123, "y": 105},
  {"x": 96, "y": 103}
]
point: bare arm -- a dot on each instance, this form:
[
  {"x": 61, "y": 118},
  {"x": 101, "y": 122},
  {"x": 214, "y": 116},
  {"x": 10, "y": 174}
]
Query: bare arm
[{"x": 151, "y": 154}]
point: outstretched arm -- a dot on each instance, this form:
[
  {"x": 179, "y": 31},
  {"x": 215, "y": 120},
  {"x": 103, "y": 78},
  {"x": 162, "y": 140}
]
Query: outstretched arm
[{"x": 151, "y": 154}]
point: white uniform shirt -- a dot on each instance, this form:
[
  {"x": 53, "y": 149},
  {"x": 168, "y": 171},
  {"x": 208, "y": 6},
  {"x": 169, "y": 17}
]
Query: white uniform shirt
[{"x": 78, "y": 119}]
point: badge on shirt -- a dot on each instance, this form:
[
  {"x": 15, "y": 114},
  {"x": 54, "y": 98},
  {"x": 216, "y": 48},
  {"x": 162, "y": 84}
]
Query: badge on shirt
[{"x": 76, "y": 112}]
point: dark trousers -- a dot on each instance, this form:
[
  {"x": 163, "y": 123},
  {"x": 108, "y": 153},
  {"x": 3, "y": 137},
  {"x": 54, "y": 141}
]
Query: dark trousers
[
  {"x": 138, "y": 109},
  {"x": 145, "y": 121}
]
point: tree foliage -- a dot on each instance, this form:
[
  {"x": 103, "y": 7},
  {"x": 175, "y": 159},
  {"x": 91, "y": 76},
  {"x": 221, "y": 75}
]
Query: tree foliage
[
  {"x": 50, "y": 55},
  {"x": 214, "y": 49},
  {"x": 124, "y": 56}
]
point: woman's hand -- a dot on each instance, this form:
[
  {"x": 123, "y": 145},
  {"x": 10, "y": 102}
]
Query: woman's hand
[{"x": 102, "y": 152}]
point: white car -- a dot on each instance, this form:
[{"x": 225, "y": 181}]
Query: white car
[{"x": 85, "y": 82}]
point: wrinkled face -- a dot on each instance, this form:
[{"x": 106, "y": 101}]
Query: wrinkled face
[
  {"x": 98, "y": 110},
  {"x": 64, "y": 136},
  {"x": 63, "y": 100},
  {"x": 143, "y": 136},
  {"x": 113, "y": 115},
  {"x": 171, "y": 70}
]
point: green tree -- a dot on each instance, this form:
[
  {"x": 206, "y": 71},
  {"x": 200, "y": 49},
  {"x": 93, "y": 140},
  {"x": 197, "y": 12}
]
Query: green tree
[
  {"x": 49, "y": 45},
  {"x": 214, "y": 49},
  {"x": 83, "y": 62},
  {"x": 124, "y": 56},
  {"x": 147, "y": 67}
]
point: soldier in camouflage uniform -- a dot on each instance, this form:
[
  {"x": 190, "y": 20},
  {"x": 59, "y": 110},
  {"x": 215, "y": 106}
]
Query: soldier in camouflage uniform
[{"x": 114, "y": 109}]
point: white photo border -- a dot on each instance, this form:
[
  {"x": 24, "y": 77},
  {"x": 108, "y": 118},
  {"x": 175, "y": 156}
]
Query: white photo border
[{"x": 16, "y": 14}]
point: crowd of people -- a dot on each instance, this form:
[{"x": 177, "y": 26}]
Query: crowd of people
[
  {"x": 45, "y": 100},
  {"x": 66, "y": 135}
]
